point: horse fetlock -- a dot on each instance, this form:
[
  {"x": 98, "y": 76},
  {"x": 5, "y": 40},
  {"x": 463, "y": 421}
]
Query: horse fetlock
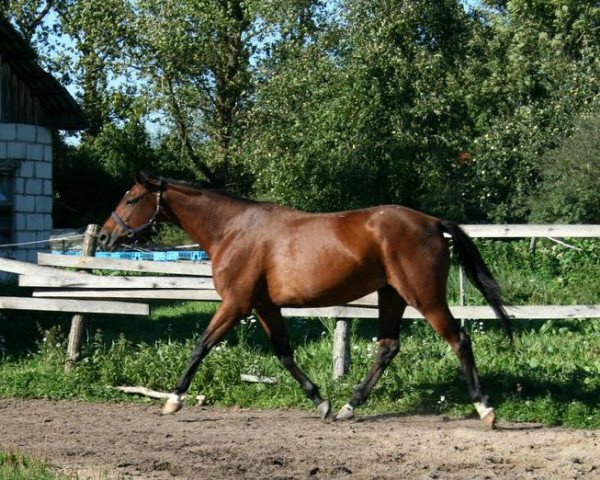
[
  {"x": 489, "y": 420},
  {"x": 172, "y": 405},
  {"x": 486, "y": 413},
  {"x": 345, "y": 413},
  {"x": 324, "y": 409}
]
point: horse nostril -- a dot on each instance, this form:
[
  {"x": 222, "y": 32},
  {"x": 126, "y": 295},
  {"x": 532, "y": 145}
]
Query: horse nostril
[{"x": 103, "y": 238}]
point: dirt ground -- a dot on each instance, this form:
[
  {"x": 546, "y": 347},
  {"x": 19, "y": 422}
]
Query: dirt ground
[{"x": 114, "y": 441}]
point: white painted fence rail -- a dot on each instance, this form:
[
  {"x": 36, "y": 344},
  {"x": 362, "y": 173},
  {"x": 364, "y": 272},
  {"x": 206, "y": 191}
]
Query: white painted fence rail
[{"x": 532, "y": 231}]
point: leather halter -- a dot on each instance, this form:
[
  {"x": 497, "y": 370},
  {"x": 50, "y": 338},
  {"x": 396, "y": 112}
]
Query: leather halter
[{"x": 131, "y": 232}]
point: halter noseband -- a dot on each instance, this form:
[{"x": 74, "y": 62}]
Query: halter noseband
[{"x": 131, "y": 232}]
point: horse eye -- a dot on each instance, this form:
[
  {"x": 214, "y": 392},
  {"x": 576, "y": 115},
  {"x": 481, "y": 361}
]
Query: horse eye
[{"x": 133, "y": 201}]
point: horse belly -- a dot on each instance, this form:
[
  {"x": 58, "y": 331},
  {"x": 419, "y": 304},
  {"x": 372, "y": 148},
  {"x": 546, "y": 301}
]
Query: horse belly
[{"x": 331, "y": 283}]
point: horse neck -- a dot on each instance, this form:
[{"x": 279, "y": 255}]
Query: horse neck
[{"x": 202, "y": 214}]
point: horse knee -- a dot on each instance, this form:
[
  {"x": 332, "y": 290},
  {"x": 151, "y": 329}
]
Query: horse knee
[{"x": 386, "y": 352}]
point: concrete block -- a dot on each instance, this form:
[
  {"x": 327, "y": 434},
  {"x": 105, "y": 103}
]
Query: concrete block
[
  {"x": 20, "y": 254},
  {"x": 35, "y": 221},
  {"x": 16, "y": 150},
  {"x": 24, "y": 203},
  {"x": 19, "y": 185},
  {"x": 8, "y": 132},
  {"x": 43, "y": 170},
  {"x": 32, "y": 255},
  {"x": 20, "y": 221},
  {"x": 33, "y": 186},
  {"x": 26, "y": 133},
  {"x": 25, "y": 237},
  {"x": 43, "y": 204},
  {"x": 42, "y": 235},
  {"x": 47, "y": 187},
  {"x": 47, "y": 153},
  {"x": 26, "y": 169},
  {"x": 35, "y": 152},
  {"x": 44, "y": 136},
  {"x": 48, "y": 224},
  {"x": 2, "y": 149}
]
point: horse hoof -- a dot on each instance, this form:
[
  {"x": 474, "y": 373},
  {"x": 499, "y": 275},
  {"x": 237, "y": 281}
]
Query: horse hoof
[
  {"x": 324, "y": 408},
  {"x": 489, "y": 420},
  {"x": 345, "y": 413},
  {"x": 171, "y": 407}
]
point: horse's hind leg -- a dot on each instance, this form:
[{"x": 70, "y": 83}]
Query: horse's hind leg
[
  {"x": 223, "y": 320},
  {"x": 391, "y": 308},
  {"x": 446, "y": 325},
  {"x": 272, "y": 322}
]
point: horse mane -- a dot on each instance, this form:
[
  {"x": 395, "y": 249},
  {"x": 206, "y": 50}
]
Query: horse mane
[{"x": 199, "y": 185}]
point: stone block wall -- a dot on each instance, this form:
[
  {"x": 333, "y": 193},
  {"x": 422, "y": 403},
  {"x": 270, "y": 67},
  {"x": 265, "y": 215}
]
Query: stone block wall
[{"x": 28, "y": 150}]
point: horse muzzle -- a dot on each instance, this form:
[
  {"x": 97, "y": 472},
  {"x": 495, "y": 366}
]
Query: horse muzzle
[{"x": 108, "y": 240}]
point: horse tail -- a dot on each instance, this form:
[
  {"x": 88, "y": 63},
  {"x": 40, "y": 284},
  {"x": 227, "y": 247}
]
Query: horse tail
[{"x": 478, "y": 272}]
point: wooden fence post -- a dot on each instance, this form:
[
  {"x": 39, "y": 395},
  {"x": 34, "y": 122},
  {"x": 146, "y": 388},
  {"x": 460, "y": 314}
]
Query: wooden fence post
[
  {"x": 78, "y": 321},
  {"x": 341, "y": 348}
]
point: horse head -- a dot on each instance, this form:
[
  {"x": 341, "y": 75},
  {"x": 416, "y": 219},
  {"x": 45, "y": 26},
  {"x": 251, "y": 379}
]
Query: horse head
[{"x": 136, "y": 212}]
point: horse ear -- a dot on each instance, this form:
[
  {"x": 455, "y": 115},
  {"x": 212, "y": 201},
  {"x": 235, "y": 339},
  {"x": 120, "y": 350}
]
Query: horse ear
[{"x": 141, "y": 178}]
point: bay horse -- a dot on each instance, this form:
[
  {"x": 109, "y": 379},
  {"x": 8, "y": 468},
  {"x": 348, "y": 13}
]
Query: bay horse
[{"x": 266, "y": 257}]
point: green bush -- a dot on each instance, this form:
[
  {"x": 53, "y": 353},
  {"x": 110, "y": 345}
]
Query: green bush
[{"x": 570, "y": 187}]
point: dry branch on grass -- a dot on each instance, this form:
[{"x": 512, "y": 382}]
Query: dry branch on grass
[{"x": 147, "y": 392}]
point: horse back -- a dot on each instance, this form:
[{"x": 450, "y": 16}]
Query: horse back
[{"x": 328, "y": 259}]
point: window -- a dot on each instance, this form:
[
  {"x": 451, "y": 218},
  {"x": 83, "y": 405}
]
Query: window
[{"x": 6, "y": 201}]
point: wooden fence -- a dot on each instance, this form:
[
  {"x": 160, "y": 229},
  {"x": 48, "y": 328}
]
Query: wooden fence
[{"x": 57, "y": 289}]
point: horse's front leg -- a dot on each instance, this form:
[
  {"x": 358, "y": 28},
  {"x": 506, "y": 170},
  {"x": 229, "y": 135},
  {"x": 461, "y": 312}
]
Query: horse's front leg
[
  {"x": 391, "y": 308},
  {"x": 227, "y": 315},
  {"x": 272, "y": 322}
]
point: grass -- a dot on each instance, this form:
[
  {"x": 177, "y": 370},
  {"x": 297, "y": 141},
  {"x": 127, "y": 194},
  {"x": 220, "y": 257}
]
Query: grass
[
  {"x": 14, "y": 466},
  {"x": 552, "y": 375}
]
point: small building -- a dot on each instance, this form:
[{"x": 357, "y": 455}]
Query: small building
[{"x": 33, "y": 105}]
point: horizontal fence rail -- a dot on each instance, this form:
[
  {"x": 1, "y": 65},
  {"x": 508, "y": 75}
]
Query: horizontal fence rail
[
  {"x": 532, "y": 231},
  {"x": 74, "y": 306}
]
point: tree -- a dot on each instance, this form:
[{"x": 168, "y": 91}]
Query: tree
[
  {"x": 535, "y": 72},
  {"x": 365, "y": 109},
  {"x": 29, "y": 16},
  {"x": 570, "y": 186},
  {"x": 195, "y": 57}
]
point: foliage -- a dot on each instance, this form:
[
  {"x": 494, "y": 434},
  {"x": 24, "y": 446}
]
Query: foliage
[
  {"x": 89, "y": 179},
  {"x": 570, "y": 188},
  {"x": 450, "y": 109}
]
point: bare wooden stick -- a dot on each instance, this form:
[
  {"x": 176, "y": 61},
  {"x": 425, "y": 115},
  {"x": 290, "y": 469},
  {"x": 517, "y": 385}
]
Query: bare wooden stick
[
  {"x": 147, "y": 392},
  {"x": 245, "y": 377}
]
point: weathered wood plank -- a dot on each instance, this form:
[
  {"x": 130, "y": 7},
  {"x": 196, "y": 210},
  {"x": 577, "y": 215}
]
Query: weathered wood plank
[
  {"x": 132, "y": 294},
  {"x": 531, "y": 230},
  {"x": 467, "y": 312},
  {"x": 363, "y": 309},
  {"x": 204, "y": 294},
  {"x": 97, "y": 281},
  {"x": 172, "y": 268},
  {"x": 369, "y": 300},
  {"x": 68, "y": 305},
  {"x": 24, "y": 268}
]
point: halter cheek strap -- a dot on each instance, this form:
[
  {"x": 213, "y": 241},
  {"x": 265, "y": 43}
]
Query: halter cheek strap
[{"x": 130, "y": 232}]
